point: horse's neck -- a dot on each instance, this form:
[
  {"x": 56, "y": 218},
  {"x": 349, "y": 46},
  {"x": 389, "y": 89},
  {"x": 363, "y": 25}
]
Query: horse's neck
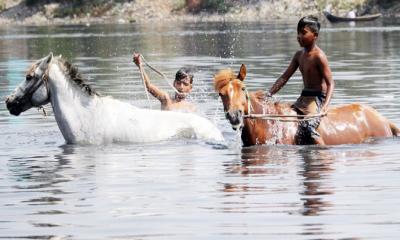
[
  {"x": 70, "y": 104},
  {"x": 66, "y": 93},
  {"x": 259, "y": 107},
  {"x": 271, "y": 131}
]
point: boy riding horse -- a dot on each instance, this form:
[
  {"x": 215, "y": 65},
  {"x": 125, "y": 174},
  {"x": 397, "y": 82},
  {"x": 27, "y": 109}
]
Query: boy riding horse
[{"x": 317, "y": 79}]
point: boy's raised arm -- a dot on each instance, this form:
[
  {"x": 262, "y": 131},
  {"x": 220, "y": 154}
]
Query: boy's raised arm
[
  {"x": 153, "y": 90},
  {"x": 282, "y": 80}
]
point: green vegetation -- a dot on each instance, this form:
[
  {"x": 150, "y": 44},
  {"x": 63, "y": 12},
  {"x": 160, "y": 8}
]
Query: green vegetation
[
  {"x": 81, "y": 8},
  {"x": 386, "y": 3},
  {"x": 220, "y": 6},
  {"x": 141, "y": 9},
  {"x": 2, "y": 5}
]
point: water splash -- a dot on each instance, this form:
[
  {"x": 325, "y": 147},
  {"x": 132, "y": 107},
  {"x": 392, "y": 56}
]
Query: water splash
[
  {"x": 275, "y": 130},
  {"x": 237, "y": 144}
]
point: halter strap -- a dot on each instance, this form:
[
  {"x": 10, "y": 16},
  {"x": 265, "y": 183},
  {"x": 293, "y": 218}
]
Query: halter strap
[
  {"x": 44, "y": 80},
  {"x": 249, "y": 106}
]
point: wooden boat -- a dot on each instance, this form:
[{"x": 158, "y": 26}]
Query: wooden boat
[{"x": 333, "y": 18}]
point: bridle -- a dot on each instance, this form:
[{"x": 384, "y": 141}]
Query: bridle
[
  {"x": 44, "y": 80},
  {"x": 249, "y": 106}
]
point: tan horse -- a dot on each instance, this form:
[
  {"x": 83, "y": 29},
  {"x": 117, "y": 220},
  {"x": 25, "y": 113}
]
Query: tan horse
[{"x": 347, "y": 124}]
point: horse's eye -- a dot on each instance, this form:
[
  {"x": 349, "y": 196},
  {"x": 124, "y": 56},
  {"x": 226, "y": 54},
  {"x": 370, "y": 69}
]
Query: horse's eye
[
  {"x": 29, "y": 77},
  {"x": 243, "y": 89}
]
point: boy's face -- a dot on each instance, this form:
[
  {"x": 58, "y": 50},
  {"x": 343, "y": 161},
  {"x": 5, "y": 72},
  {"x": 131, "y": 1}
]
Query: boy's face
[
  {"x": 306, "y": 37},
  {"x": 183, "y": 85}
]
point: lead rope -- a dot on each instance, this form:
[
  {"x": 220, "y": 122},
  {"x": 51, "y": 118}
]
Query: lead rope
[
  {"x": 161, "y": 74},
  {"x": 279, "y": 117},
  {"x": 45, "y": 79},
  {"x": 283, "y": 118},
  {"x": 249, "y": 107},
  {"x": 144, "y": 84}
]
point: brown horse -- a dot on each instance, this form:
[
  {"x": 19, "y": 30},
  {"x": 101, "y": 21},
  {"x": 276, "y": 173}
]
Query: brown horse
[{"x": 347, "y": 124}]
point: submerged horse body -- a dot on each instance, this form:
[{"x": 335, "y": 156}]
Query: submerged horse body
[
  {"x": 84, "y": 116},
  {"x": 347, "y": 124}
]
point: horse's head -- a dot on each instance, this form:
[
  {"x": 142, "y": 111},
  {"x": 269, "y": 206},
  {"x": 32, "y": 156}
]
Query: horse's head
[
  {"x": 234, "y": 95},
  {"x": 33, "y": 91}
]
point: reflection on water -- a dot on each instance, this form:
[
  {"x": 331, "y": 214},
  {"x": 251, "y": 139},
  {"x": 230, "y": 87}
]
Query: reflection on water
[
  {"x": 184, "y": 189},
  {"x": 317, "y": 166}
]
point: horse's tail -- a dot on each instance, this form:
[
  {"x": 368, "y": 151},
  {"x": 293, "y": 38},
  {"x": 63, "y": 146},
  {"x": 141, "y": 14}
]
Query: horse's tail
[{"x": 395, "y": 129}]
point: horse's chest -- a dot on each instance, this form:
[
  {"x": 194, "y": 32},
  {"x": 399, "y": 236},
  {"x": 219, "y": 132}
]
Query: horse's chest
[{"x": 267, "y": 132}]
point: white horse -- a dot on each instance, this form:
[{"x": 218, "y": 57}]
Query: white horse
[{"x": 84, "y": 116}]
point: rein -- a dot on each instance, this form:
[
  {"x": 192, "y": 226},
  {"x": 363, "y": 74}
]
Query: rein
[
  {"x": 144, "y": 84},
  {"x": 249, "y": 107},
  {"x": 283, "y": 118},
  {"x": 159, "y": 73},
  {"x": 279, "y": 117},
  {"x": 45, "y": 80}
]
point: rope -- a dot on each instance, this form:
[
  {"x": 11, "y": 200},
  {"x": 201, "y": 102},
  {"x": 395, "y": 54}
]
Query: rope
[
  {"x": 283, "y": 118},
  {"x": 279, "y": 117},
  {"x": 144, "y": 84},
  {"x": 45, "y": 79},
  {"x": 160, "y": 73},
  {"x": 249, "y": 107}
]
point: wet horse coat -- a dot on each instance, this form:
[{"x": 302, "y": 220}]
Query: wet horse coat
[{"x": 347, "y": 124}]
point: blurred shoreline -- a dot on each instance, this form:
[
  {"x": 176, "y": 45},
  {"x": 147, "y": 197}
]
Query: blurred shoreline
[{"x": 18, "y": 12}]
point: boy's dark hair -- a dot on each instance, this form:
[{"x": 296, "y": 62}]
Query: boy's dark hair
[
  {"x": 311, "y": 22},
  {"x": 184, "y": 73}
]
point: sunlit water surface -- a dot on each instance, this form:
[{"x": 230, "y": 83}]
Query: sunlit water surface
[{"x": 187, "y": 189}]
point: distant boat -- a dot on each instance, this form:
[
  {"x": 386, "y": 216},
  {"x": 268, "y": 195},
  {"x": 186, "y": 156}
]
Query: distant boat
[{"x": 333, "y": 18}]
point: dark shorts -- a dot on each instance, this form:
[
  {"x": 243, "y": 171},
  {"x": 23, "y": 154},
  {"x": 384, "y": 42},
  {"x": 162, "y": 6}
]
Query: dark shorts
[{"x": 310, "y": 102}]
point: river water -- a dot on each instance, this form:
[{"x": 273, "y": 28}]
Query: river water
[{"x": 186, "y": 189}]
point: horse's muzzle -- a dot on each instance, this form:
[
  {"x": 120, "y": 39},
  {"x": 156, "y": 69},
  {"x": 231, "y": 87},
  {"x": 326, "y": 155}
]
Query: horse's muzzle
[
  {"x": 235, "y": 118},
  {"x": 13, "y": 105}
]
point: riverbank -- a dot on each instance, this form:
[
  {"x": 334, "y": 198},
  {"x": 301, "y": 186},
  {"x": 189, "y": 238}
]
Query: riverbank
[{"x": 18, "y": 12}]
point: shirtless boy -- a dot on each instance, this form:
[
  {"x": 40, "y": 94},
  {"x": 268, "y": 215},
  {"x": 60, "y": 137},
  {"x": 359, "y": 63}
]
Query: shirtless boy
[
  {"x": 317, "y": 80},
  {"x": 183, "y": 84}
]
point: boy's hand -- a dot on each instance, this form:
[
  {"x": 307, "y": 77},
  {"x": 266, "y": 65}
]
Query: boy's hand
[{"x": 137, "y": 59}]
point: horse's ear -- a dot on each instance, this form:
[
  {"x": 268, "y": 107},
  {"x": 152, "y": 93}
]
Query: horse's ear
[
  {"x": 242, "y": 72},
  {"x": 45, "y": 61}
]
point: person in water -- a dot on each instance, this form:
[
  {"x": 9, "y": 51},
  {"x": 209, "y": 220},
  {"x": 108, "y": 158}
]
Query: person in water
[
  {"x": 183, "y": 84},
  {"x": 317, "y": 80}
]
